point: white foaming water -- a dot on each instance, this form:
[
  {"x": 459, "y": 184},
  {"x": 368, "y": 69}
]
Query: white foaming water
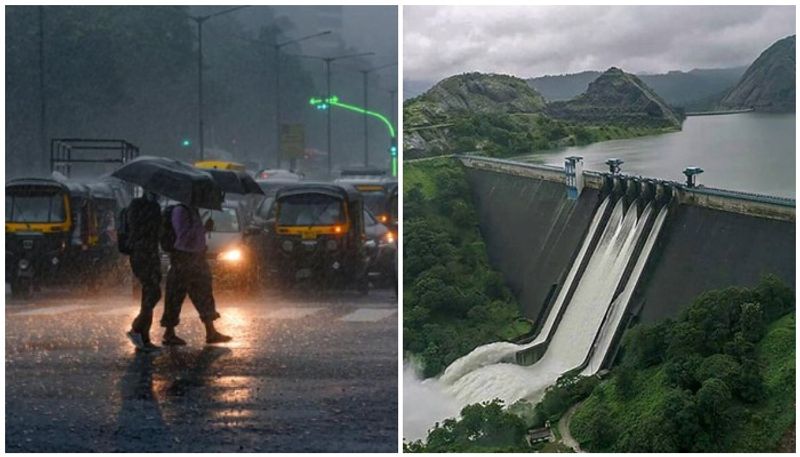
[
  {"x": 425, "y": 402},
  {"x": 571, "y": 340},
  {"x": 488, "y": 372},
  {"x": 617, "y": 311},
  {"x": 493, "y": 353}
]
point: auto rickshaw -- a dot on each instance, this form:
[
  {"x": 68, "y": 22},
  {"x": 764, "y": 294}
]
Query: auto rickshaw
[
  {"x": 51, "y": 230},
  {"x": 375, "y": 188},
  {"x": 319, "y": 233},
  {"x": 220, "y": 165},
  {"x": 109, "y": 199},
  {"x": 391, "y": 209}
]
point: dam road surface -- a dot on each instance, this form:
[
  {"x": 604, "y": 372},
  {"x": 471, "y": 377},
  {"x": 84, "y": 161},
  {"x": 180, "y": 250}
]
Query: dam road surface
[{"x": 304, "y": 373}]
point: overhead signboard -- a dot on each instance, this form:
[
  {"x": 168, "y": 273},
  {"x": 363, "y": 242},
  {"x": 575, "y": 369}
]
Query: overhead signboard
[{"x": 293, "y": 140}]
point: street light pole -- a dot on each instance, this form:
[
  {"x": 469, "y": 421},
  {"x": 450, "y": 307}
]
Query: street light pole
[
  {"x": 277, "y": 48},
  {"x": 42, "y": 105},
  {"x": 199, "y": 20},
  {"x": 393, "y": 110},
  {"x": 328, "y": 61},
  {"x": 328, "y": 113},
  {"x": 278, "y": 152},
  {"x": 200, "y": 131},
  {"x": 365, "y": 75}
]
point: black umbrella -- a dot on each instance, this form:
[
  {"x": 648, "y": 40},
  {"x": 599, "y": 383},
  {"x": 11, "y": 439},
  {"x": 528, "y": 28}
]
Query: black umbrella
[
  {"x": 173, "y": 179},
  {"x": 235, "y": 182}
]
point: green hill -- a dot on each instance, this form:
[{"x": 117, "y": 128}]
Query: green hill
[
  {"x": 721, "y": 378},
  {"x": 500, "y": 115},
  {"x": 619, "y": 98},
  {"x": 769, "y": 83}
]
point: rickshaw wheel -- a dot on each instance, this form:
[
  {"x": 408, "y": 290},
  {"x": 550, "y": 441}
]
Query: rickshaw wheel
[
  {"x": 363, "y": 285},
  {"x": 21, "y": 288}
]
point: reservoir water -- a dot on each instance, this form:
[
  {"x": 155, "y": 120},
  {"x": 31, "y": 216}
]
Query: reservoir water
[{"x": 751, "y": 152}]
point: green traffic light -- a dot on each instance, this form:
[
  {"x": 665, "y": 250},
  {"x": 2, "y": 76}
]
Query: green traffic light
[{"x": 186, "y": 142}]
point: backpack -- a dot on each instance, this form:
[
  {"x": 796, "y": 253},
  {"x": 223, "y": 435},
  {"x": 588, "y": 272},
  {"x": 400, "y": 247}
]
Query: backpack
[
  {"x": 167, "y": 235},
  {"x": 124, "y": 233}
]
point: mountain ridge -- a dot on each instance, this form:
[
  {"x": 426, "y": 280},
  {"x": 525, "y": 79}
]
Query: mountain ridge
[{"x": 768, "y": 84}]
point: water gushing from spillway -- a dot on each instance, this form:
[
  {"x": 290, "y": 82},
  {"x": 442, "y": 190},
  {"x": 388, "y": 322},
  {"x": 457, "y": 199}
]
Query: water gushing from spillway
[{"x": 487, "y": 373}]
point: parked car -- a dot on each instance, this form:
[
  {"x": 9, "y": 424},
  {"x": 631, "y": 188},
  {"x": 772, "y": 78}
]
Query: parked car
[{"x": 234, "y": 251}]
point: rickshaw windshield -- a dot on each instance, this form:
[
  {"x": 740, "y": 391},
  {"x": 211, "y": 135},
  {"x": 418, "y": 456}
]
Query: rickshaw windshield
[
  {"x": 266, "y": 209},
  {"x": 35, "y": 206},
  {"x": 374, "y": 200},
  {"x": 225, "y": 221},
  {"x": 369, "y": 220},
  {"x": 310, "y": 210}
]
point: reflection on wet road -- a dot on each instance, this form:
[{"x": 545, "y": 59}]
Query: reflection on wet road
[{"x": 304, "y": 373}]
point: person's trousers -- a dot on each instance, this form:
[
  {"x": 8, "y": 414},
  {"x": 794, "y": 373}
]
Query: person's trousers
[
  {"x": 147, "y": 269},
  {"x": 190, "y": 274}
]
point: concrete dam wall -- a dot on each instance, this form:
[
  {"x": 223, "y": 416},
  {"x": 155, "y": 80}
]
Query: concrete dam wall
[
  {"x": 711, "y": 239},
  {"x": 531, "y": 231},
  {"x": 583, "y": 267}
]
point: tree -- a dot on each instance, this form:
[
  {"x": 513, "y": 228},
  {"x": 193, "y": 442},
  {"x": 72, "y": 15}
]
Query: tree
[
  {"x": 624, "y": 381},
  {"x": 600, "y": 430},
  {"x": 483, "y": 427},
  {"x": 751, "y": 322},
  {"x": 713, "y": 401},
  {"x": 646, "y": 345}
]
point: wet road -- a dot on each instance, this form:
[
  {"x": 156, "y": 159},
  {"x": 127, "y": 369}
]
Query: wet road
[{"x": 304, "y": 374}]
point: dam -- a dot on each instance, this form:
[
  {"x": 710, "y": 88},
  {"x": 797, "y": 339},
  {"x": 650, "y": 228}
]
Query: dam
[{"x": 586, "y": 260}]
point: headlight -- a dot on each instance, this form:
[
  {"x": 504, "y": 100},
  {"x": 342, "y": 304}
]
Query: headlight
[
  {"x": 331, "y": 245},
  {"x": 388, "y": 238},
  {"x": 231, "y": 255},
  {"x": 24, "y": 264},
  {"x": 287, "y": 246}
]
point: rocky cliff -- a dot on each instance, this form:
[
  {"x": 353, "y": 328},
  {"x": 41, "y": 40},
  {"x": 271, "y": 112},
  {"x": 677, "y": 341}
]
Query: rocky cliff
[
  {"x": 472, "y": 93},
  {"x": 427, "y": 118},
  {"x": 769, "y": 83}
]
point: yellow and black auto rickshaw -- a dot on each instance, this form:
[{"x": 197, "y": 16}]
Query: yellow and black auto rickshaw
[
  {"x": 374, "y": 187},
  {"x": 51, "y": 231},
  {"x": 220, "y": 165},
  {"x": 391, "y": 209},
  {"x": 319, "y": 234}
]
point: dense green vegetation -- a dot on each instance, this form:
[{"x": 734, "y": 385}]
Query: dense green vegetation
[
  {"x": 503, "y": 135},
  {"x": 485, "y": 427},
  {"x": 719, "y": 378},
  {"x": 453, "y": 301}
]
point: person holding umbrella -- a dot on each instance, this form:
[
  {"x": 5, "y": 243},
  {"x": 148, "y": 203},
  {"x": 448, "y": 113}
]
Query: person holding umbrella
[
  {"x": 190, "y": 274},
  {"x": 182, "y": 236},
  {"x": 142, "y": 221}
]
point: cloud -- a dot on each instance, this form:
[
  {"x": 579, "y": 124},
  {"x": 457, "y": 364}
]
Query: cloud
[{"x": 538, "y": 40}]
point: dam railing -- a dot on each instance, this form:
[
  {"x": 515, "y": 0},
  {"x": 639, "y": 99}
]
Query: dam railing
[{"x": 747, "y": 203}]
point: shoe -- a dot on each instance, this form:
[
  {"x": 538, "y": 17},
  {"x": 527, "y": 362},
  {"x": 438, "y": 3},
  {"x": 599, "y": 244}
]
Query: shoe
[
  {"x": 149, "y": 347},
  {"x": 136, "y": 339},
  {"x": 217, "y": 337},
  {"x": 173, "y": 340}
]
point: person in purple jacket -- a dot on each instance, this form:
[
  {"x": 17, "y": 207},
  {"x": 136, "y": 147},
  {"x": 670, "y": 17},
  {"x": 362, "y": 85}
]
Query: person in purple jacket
[{"x": 190, "y": 274}]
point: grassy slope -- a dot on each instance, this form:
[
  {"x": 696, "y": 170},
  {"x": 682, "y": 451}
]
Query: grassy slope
[{"x": 760, "y": 431}]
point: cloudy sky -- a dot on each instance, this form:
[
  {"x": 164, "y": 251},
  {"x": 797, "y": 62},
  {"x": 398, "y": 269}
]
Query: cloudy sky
[{"x": 539, "y": 40}]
